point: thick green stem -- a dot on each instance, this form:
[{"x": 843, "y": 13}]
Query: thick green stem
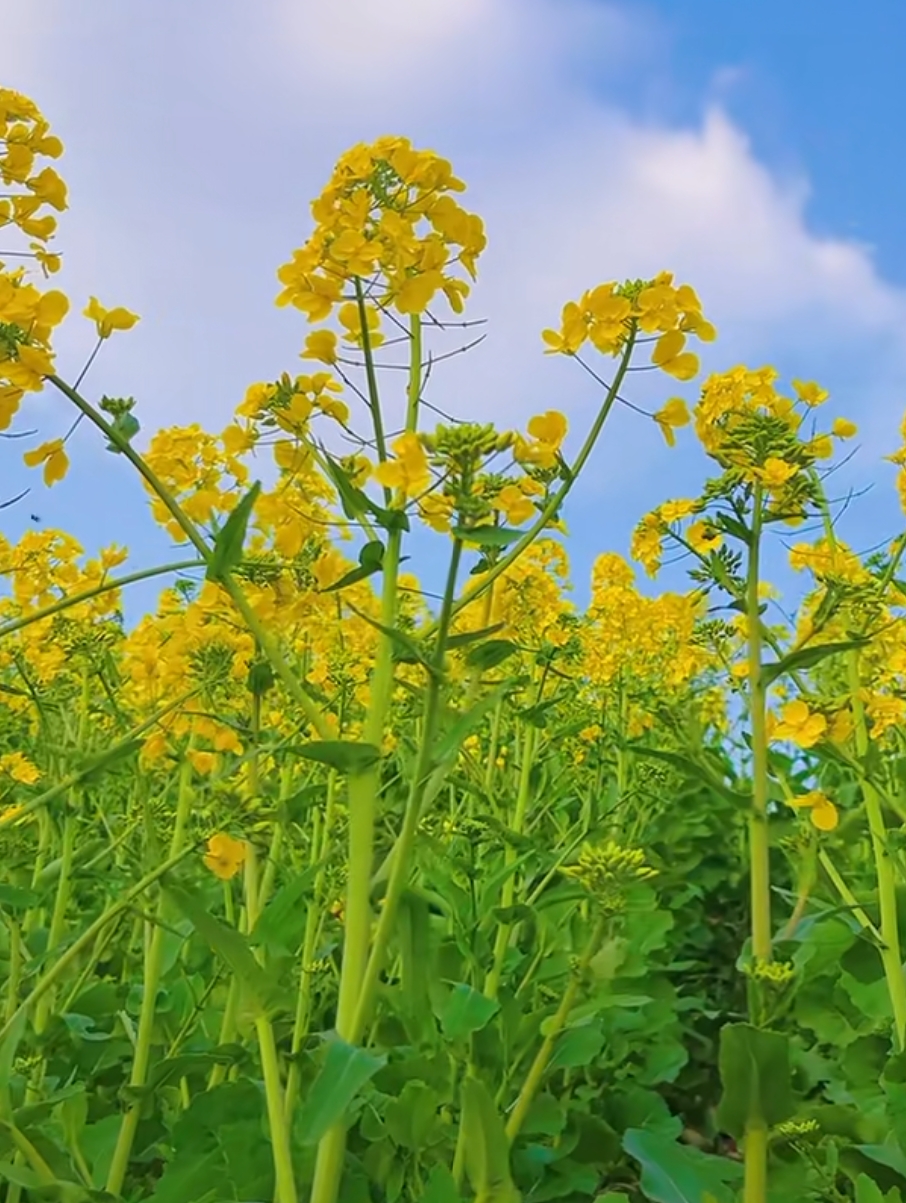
[
  {"x": 313, "y": 924},
  {"x": 153, "y": 959},
  {"x": 508, "y": 892},
  {"x": 545, "y": 1052},
  {"x": 365, "y": 787},
  {"x": 405, "y": 842},
  {"x": 755, "y": 1156},
  {"x": 891, "y": 956},
  {"x": 759, "y": 846},
  {"x": 276, "y": 1116},
  {"x": 756, "y": 1149}
]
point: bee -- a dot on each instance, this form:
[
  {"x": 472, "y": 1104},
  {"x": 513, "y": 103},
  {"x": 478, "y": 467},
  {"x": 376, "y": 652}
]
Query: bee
[{"x": 35, "y": 517}]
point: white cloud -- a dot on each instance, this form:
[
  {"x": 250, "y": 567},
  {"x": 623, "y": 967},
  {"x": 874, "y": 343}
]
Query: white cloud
[{"x": 197, "y": 134}]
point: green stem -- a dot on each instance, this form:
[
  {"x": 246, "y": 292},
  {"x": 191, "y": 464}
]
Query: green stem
[
  {"x": 66, "y": 959},
  {"x": 891, "y": 956},
  {"x": 153, "y": 960},
  {"x": 268, "y": 645},
  {"x": 16, "y": 624},
  {"x": 755, "y": 1156},
  {"x": 313, "y": 924},
  {"x": 508, "y": 892},
  {"x": 545, "y": 1052},
  {"x": 487, "y": 579},
  {"x": 406, "y": 840},
  {"x": 759, "y": 846},
  {"x": 364, "y": 787},
  {"x": 756, "y": 1149},
  {"x": 273, "y": 1089},
  {"x": 848, "y": 896}
]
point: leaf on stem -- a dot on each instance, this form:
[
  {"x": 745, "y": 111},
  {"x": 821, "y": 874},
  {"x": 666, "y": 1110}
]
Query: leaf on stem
[{"x": 230, "y": 538}]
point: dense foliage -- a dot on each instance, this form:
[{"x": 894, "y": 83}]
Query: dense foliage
[{"x": 315, "y": 886}]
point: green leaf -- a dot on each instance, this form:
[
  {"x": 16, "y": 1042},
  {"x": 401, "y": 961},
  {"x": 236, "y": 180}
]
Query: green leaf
[
  {"x": 281, "y": 924},
  {"x": 577, "y": 1046},
  {"x": 8, "y": 1051},
  {"x": 189, "y": 1180},
  {"x": 887, "y": 1155},
  {"x": 465, "y": 1011},
  {"x": 353, "y": 501},
  {"x": 230, "y": 945},
  {"x": 345, "y": 1071},
  {"x": 91, "y": 767},
  {"x": 344, "y": 755},
  {"x": 486, "y": 1145},
  {"x": 172, "y": 1068},
  {"x": 691, "y": 768},
  {"x": 732, "y": 526},
  {"x": 806, "y": 657},
  {"x": 416, "y": 956},
  {"x": 672, "y": 1173},
  {"x": 371, "y": 560},
  {"x": 868, "y": 1191},
  {"x": 466, "y": 637},
  {"x": 372, "y": 554},
  {"x": 21, "y": 1175},
  {"x": 488, "y": 655},
  {"x": 440, "y": 1187},
  {"x": 390, "y": 520},
  {"x": 408, "y": 650},
  {"x": 755, "y": 1076},
  {"x": 411, "y": 1117},
  {"x": 127, "y": 427},
  {"x": 17, "y": 898},
  {"x": 487, "y": 536},
  {"x": 449, "y": 743},
  {"x": 230, "y": 538}
]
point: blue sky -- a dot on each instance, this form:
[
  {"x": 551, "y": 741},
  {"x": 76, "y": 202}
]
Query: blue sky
[{"x": 750, "y": 148}]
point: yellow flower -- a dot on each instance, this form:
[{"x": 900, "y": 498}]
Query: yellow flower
[
  {"x": 821, "y": 447},
  {"x": 809, "y": 392},
  {"x": 668, "y": 354},
  {"x": 798, "y": 725},
  {"x": 225, "y": 856},
  {"x": 674, "y": 413},
  {"x": 408, "y": 470},
  {"x": 703, "y": 537},
  {"x": 53, "y": 457},
  {"x": 108, "y": 320},
  {"x": 776, "y": 472},
  {"x": 843, "y": 428},
  {"x": 841, "y": 727},
  {"x": 824, "y": 814},
  {"x": 19, "y": 767},
  {"x": 48, "y": 187},
  {"x": 675, "y": 511},
  {"x": 512, "y": 502},
  {"x": 436, "y": 510},
  {"x": 321, "y": 345},
  {"x": 549, "y": 428},
  {"x": 9, "y": 814},
  {"x": 352, "y": 333}
]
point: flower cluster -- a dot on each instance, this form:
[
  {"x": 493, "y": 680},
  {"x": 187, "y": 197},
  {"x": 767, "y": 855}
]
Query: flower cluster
[
  {"x": 28, "y": 315},
  {"x": 606, "y": 316},
  {"x": 385, "y": 217}
]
